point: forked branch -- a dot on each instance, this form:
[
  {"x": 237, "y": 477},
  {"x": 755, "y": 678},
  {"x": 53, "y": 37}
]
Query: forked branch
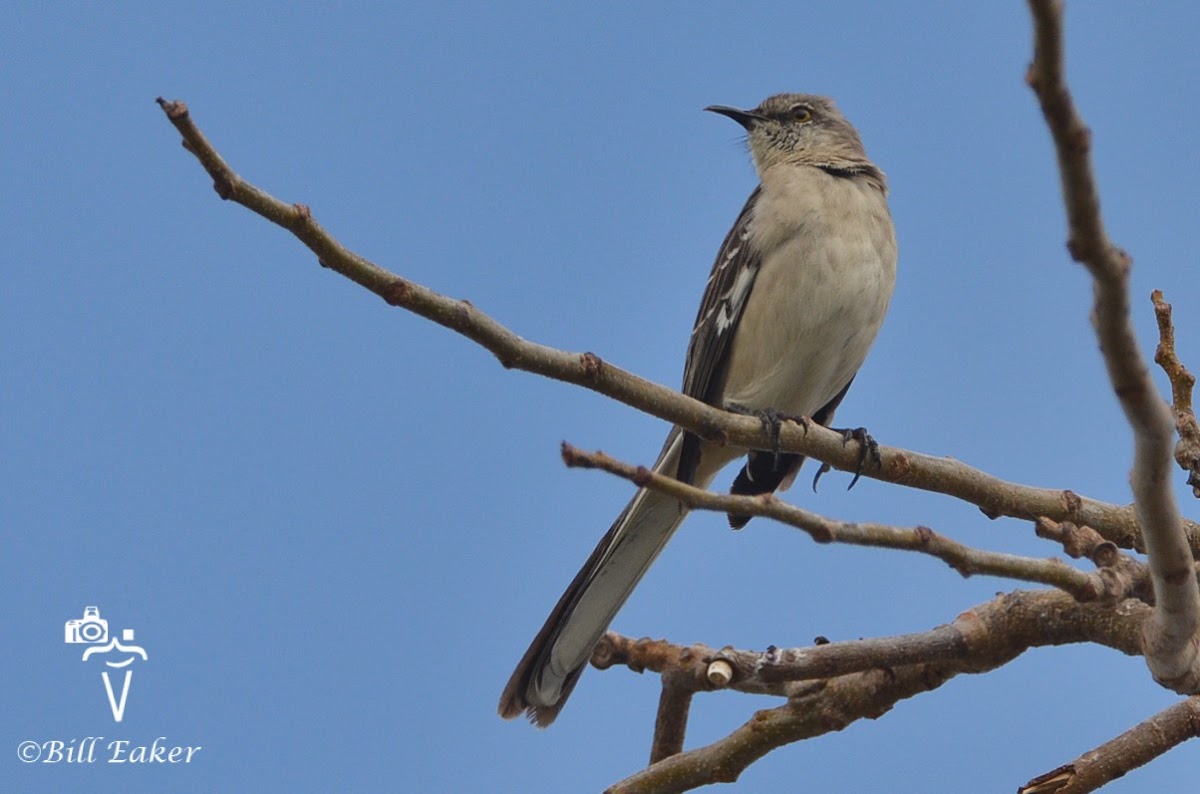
[
  {"x": 979, "y": 640},
  {"x": 1172, "y": 637}
]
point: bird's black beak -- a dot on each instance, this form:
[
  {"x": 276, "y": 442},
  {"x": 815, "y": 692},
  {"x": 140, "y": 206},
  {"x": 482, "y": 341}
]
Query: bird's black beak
[{"x": 747, "y": 118}]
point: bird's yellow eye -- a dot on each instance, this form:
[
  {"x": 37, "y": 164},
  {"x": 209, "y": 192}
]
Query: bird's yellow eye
[{"x": 802, "y": 113}]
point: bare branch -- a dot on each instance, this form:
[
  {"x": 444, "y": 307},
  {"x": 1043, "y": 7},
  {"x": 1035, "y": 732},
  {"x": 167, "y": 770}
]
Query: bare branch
[
  {"x": 1187, "y": 451},
  {"x": 994, "y": 496},
  {"x": 670, "y": 724},
  {"x": 964, "y": 559},
  {"x": 1123, "y": 575},
  {"x": 990, "y": 635},
  {"x": 772, "y": 672},
  {"x": 1077, "y": 541},
  {"x": 1136, "y": 747},
  {"x": 1173, "y": 635}
]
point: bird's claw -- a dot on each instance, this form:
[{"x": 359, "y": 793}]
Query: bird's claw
[
  {"x": 824, "y": 467},
  {"x": 867, "y": 447}
]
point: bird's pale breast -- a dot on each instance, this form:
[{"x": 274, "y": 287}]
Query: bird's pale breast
[{"x": 831, "y": 252}]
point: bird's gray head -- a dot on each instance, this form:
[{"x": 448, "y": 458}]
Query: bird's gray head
[{"x": 799, "y": 128}]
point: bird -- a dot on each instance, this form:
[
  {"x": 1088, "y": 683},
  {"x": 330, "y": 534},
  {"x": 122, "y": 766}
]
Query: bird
[{"x": 794, "y": 301}]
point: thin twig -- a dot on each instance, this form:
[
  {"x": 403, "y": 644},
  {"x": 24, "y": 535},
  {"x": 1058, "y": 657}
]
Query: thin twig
[
  {"x": 964, "y": 559},
  {"x": 1136, "y": 747},
  {"x": 1187, "y": 451},
  {"x": 1123, "y": 574},
  {"x": 1173, "y": 635}
]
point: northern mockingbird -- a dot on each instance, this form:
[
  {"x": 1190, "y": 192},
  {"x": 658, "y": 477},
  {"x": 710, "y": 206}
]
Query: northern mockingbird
[{"x": 796, "y": 296}]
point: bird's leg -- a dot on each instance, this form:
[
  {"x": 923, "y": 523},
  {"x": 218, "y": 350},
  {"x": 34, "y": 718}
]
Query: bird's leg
[{"x": 772, "y": 423}]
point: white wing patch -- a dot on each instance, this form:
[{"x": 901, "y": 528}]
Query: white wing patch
[{"x": 735, "y": 298}]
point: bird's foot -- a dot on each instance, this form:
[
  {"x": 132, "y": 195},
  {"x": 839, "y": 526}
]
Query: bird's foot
[
  {"x": 868, "y": 447},
  {"x": 772, "y": 423}
]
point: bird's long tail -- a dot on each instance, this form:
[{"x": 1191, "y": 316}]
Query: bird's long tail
[{"x": 561, "y": 650}]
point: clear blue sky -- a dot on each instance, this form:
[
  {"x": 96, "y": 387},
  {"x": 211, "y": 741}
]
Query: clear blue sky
[{"x": 335, "y": 527}]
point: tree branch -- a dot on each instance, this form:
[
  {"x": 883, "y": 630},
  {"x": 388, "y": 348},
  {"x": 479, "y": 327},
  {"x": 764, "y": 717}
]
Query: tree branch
[
  {"x": 1172, "y": 639},
  {"x": 1131, "y": 576},
  {"x": 989, "y": 636},
  {"x": 776, "y": 670},
  {"x": 1136, "y": 747},
  {"x": 964, "y": 559},
  {"x": 670, "y": 723},
  {"x": 1187, "y": 451},
  {"x": 994, "y": 496}
]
